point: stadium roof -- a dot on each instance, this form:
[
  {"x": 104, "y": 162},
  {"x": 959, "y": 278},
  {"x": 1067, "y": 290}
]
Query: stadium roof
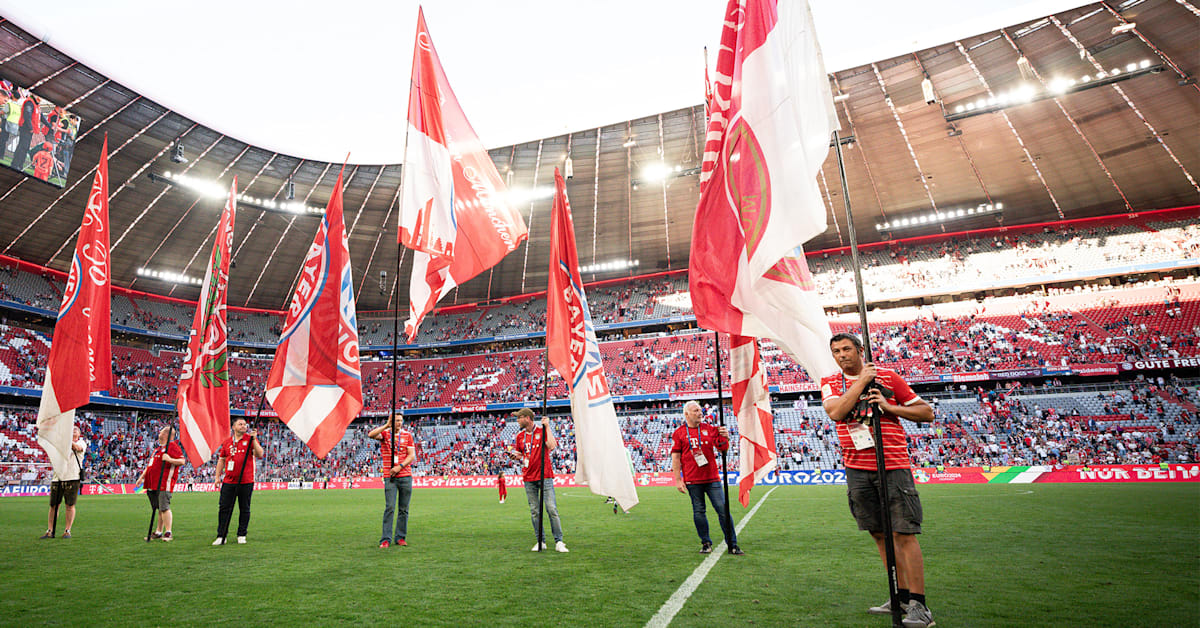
[{"x": 1105, "y": 145}]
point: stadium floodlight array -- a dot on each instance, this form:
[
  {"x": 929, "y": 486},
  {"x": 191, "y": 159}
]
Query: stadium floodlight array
[
  {"x": 1027, "y": 92},
  {"x": 217, "y": 191},
  {"x": 939, "y": 216},
  {"x": 169, "y": 277},
  {"x": 604, "y": 267}
]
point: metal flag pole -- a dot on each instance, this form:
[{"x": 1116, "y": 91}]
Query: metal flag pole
[
  {"x": 721, "y": 415},
  {"x": 541, "y": 528},
  {"x": 877, "y": 425}
]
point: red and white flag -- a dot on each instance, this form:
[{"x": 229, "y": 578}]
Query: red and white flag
[
  {"x": 315, "y": 384},
  {"x": 203, "y": 395},
  {"x": 455, "y": 212},
  {"x": 81, "y": 349},
  {"x": 573, "y": 350},
  {"x": 768, "y": 133},
  {"x": 756, "y": 426}
]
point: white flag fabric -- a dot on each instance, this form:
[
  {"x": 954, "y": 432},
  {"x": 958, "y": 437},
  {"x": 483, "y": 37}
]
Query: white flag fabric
[{"x": 768, "y": 135}]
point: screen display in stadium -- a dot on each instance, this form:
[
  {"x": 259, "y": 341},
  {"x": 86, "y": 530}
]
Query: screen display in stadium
[{"x": 37, "y": 137}]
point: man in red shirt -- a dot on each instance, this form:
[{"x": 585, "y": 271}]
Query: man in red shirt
[
  {"x": 158, "y": 478},
  {"x": 529, "y": 450},
  {"x": 694, "y": 462},
  {"x": 397, "y": 478},
  {"x": 235, "y": 479},
  {"x": 845, "y": 396}
]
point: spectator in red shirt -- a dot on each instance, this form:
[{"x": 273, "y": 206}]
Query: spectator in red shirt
[
  {"x": 158, "y": 478},
  {"x": 846, "y": 396},
  {"x": 501, "y": 485},
  {"x": 397, "y": 477},
  {"x": 235, "y": 479},
  {"x": 694, "y": 462},
  {"x": 529, "y": 450}
]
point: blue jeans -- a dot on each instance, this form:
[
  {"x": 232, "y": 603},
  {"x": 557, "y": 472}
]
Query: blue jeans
[
  {"x": 535, "y": 512},
  {"x": 717, "y": 496},
  {"x": 393, "y": 488}
]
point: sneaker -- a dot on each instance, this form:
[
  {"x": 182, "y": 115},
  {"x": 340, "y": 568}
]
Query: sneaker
[
  {"x": 220, "y": 541},
  {"x": 384, "y": 544},
  {"x": 166, "y": 536},
  {"x": 736, "y": 551},
  {"x": 47, "y": 535},
  {"x": 156, "y": 535},
  {"x": 538, "y": 546},
  {"x": 918, "y": 616},
  {"x": 706, "y": 548},
  {"x": 241, "y": 540},
  {"x": 886, "y": 608},
  {"x": 401, "y": 543},
  {"x": 559, "y": 546},
  {"x": 501, "y": 501},
  {"x": 67, "y": 534}
]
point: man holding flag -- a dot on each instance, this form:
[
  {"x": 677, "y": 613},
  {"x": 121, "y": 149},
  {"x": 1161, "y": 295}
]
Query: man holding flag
[
  {"x": 694, "y": 464},
  {"x": 572, "y": 348},
  {"x": 533, "y": 446},
  {"x": 397, "y": 452},
  {"x": 64, "y": 487},
  {"x": 80, "y": 353}
]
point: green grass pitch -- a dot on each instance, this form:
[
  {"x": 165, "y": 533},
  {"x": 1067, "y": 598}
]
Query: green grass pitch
[{"x": 995, "y": 555}]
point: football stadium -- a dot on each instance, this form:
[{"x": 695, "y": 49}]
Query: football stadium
[{"x": 878, "y": 315}]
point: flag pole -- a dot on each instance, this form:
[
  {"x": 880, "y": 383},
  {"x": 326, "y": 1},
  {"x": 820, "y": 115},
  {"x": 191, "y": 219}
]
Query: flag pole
[
  {"x": 721, "y": 415},
  {"x": 541, "y": 529},
  {"x": 396, "y": 279},
  {"x": 877, "y": 427}
]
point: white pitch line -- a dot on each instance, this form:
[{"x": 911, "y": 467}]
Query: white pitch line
[{"x": 673, "y": 604}]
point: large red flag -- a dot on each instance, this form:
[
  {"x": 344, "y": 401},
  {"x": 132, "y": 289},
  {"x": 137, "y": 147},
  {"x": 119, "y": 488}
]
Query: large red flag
[
  {"x": 768, "y": 133},
  {"x": 757, "y": 454},
  {"x": 315, "y": 384},
  {"x": 455, "y": 213},
  {"x": 573, "y": 350},
  {"x": 203, "y": 395},
  {"x": 81, "y": 350}
]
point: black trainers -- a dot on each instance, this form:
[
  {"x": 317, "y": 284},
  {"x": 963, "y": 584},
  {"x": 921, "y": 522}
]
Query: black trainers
[
  {"x": 706, "y": 548},
  {"x": 736, "y": 551}
]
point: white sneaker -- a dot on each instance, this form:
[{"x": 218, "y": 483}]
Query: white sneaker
[
  {"x": 536, "y": 547},
  {"x": 220, "y": 541},
  {"x": 561, "y": 547},
  {"x": 241, "y": 540},
  {"x": 502, "y": 501}
]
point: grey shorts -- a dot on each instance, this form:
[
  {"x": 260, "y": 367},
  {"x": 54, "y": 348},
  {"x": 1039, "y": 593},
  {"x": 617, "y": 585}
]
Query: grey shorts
[
  {"x": 862, "y": 489},
  {"x": 160, "y": 500}
]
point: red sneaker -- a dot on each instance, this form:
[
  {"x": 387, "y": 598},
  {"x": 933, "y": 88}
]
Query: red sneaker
[
  {"x": 384, "y": 544},
  {"x": 401, "y": 543}
]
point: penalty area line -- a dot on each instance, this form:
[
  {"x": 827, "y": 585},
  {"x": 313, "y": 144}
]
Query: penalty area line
[{"x": 673, "y": 604}]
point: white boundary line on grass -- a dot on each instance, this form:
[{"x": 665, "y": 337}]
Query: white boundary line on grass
[{"x": 680, "y": 597}]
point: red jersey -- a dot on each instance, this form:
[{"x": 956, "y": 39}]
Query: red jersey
[
  {"x": 530, "y": 446},
  {"x": 155, "y": 469},
  {"x": 686, "y": 441},
  {"x": 895, "y": 445},
  {"x": 234, "y": 455},
  {"x": 404, "y": 440}
]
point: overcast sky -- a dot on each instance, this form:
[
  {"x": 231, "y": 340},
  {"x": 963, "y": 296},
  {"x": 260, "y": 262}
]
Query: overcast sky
[{"x": 288, "y": 78}]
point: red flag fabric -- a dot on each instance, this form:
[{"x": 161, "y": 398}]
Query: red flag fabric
[
  {"x": 81, "y": 350},
  {"x": 756, "y": 425},
  {"x": 768, "y": 133},
  {"x": 455, "y": 212},
  {"x": 315, "y": 384},
  {"x": 202, "y": 398},
  {"x": 602, "y": 463}
]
